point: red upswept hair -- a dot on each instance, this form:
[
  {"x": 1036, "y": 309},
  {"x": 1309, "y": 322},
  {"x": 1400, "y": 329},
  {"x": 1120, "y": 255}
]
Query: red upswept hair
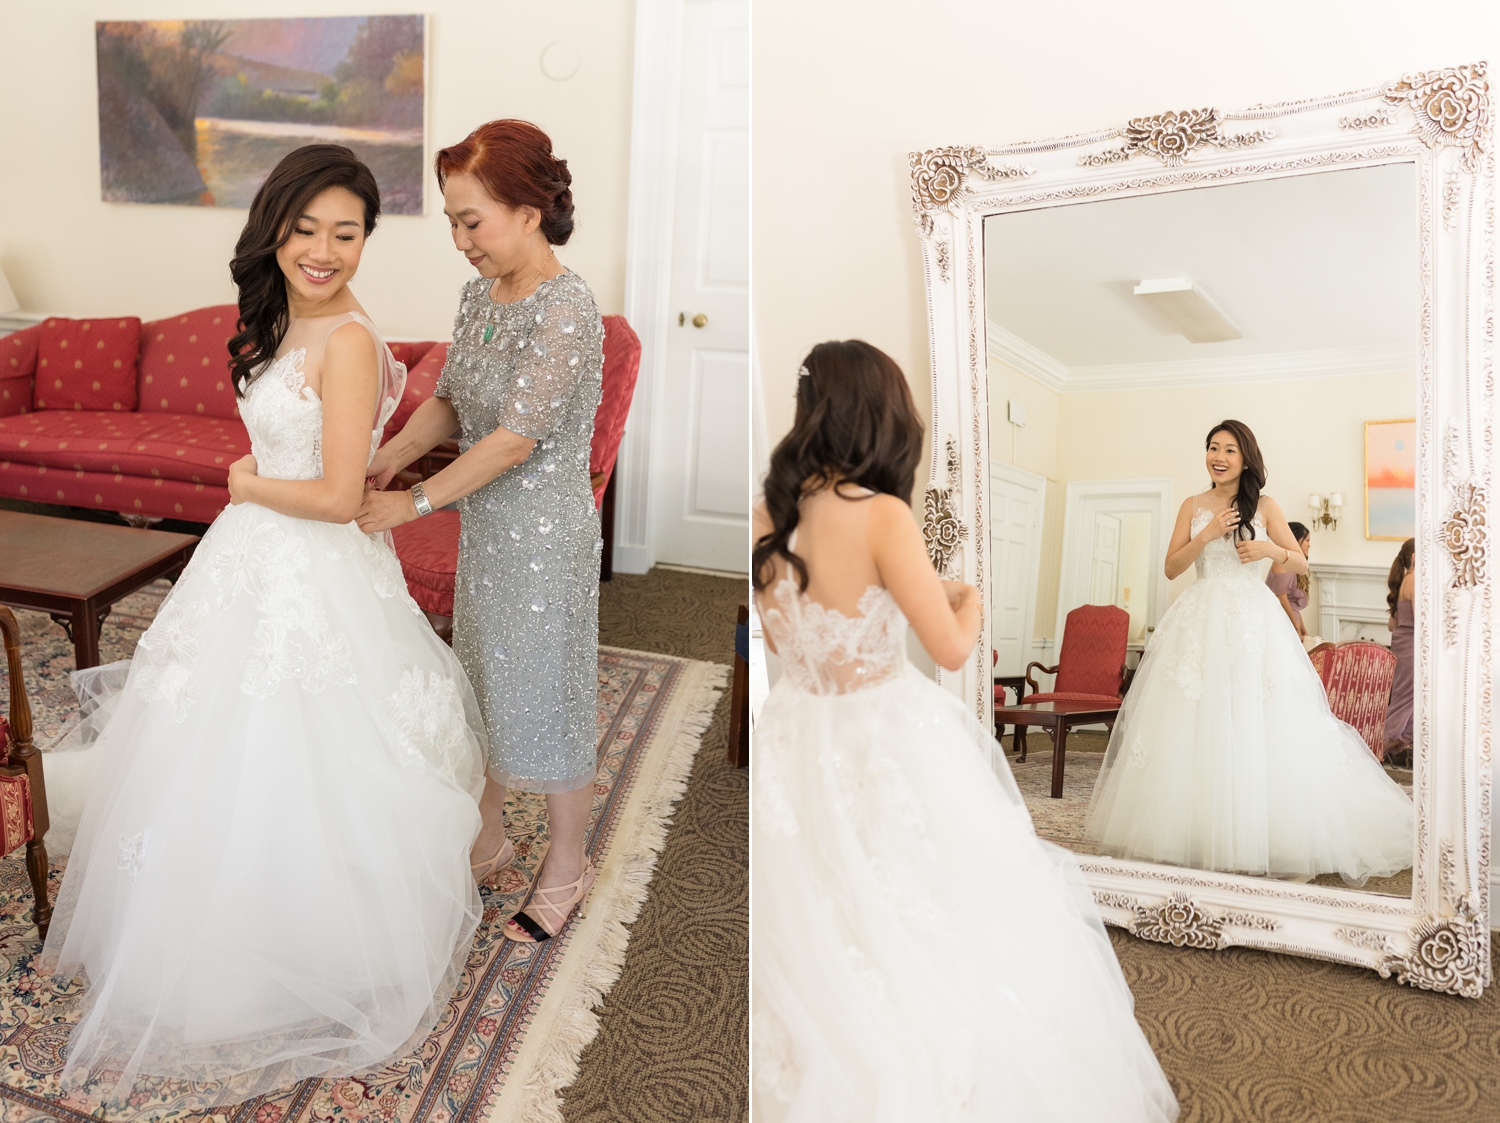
[{"x": 514, "y": 161}]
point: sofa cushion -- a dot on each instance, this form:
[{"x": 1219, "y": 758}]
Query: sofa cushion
[
  {"x": 421, "y": 380},
  {"x": 428, "y": 551},
  {"x": 87, "y": 364},
  {"x": 105, "y": 491},
  {"x": 185, "y": 363},
  {"x": 153, "y": 445}
]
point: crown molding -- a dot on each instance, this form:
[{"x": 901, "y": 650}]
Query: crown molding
[{"x": 1378, "y": 358}]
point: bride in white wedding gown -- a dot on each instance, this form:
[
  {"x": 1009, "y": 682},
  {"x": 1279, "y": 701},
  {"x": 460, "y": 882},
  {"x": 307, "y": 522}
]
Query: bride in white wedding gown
[
  {"x": 271, "y": 878},
  {"x": 918, "y": 954},
  {"x": 1225, "y": 755}
]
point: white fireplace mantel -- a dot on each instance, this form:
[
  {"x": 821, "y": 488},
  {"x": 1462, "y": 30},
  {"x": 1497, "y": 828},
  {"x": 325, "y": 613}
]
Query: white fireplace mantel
[{"x": 1351, "y": 602}]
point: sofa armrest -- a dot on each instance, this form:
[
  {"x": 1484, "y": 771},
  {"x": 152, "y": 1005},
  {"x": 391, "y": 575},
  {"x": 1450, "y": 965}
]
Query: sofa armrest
[{"x": 18, "y": 353}]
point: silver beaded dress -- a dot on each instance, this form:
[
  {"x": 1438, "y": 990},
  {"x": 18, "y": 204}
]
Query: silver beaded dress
[{"x": 526, "y": 598}]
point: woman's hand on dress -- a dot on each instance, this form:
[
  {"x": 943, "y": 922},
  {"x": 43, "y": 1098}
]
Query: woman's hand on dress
[
  {"x": 1253, "y": 550},
  {"x": 383, "y": 465},
  {"x": 239, "y": 471},
  {"x": 1222, "y": 524},
  {"x": 382, "y": 510}
]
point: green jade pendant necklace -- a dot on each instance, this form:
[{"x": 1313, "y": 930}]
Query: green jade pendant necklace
[{"x": 489, "y": 328}]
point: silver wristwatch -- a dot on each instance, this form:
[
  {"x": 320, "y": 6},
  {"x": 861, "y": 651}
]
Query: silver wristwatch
[{"x": 419, "y": 499}]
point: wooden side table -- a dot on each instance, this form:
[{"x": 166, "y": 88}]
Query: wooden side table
[
  {"x": 76, "y": 570},
  {"x": 1059, "y": 717}
]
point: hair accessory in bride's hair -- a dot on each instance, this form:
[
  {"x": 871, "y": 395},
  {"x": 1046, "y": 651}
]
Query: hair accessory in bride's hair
[{"x": 802, "y": 371}]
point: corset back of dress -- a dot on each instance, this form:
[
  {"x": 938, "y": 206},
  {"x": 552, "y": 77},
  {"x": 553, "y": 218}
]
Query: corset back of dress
[
  {"x": 1219, "y": 558},
  {"x": 284, "y": 417},
  {"x": 823, "y": 651}
]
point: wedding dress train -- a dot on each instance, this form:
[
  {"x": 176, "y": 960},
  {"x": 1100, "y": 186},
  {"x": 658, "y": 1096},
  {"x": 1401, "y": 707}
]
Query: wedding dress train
[
  {"x": 270, "y": 880},
  {"x": 918, "y": 953}
]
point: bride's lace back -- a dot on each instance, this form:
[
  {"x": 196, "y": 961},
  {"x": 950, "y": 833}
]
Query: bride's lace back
[
  {"x": 1219, "y": 558},
  {"x": 285, "y": 418},
  {"x": 825, "y": 652}
]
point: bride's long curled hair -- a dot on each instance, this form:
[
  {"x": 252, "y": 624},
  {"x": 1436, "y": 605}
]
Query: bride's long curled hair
[
  {"x": 1399, "y": 569},
  {"x": 856, "y": 424},
  {"x": 302, "y": 175},
  {"x": 1252, "y": 476}
]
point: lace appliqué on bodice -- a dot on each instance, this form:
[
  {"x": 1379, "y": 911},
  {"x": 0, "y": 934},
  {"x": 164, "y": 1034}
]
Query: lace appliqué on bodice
[
  {"x": 285, "y": 417},
  {"x": 285, "y": 421},
  {"x": 825, "y": 652},
  {"x": 1219, "y": 558}
]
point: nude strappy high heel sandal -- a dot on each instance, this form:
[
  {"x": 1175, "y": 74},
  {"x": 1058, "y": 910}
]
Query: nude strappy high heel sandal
[
  {"x": 545, "y": 903},
  {"x": 493, "y": 864}
]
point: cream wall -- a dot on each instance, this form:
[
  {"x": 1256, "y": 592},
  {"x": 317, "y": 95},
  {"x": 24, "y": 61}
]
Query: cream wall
[
  {"x": 1311, "y": 434},
  {"x": 67, "y": 252},
  {"x": 843, "y": 92}
]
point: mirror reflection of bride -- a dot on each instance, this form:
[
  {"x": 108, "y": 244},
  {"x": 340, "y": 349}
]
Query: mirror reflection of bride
[{"x": 1226, "y": 755}]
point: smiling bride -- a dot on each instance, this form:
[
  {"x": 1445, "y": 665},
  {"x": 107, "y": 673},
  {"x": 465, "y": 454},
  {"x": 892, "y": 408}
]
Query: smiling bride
[
  {"x": 271, "y": 878},
  {"x": 1225, "y": 755}
]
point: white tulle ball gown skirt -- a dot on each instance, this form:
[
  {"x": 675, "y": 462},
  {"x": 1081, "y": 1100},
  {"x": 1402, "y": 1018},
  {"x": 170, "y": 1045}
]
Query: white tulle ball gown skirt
[
  {"x": 1225, "y": 755},
  {"x": 918, "y": 953},
  {"x": 270, "y": 877}
]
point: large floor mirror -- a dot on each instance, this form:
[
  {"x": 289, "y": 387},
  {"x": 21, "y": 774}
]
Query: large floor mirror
[
  {"x": 1210, "y": 434},
  {"x": 1120, "y": 332}
]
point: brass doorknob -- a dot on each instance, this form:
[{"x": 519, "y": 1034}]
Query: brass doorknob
[{"x": 700, "y": 320}]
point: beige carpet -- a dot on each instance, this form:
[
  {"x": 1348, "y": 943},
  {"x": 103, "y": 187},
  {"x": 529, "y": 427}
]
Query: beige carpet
[{"x": 673, "y": 1041}]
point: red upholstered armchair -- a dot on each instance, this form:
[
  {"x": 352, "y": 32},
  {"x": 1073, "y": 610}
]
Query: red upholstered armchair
[
  {"x": 1091, "y": 665},
  {"x": 428, "y": 548},
  {"x": 1357, "y": 677},
  {"x": 23, "y": 793}
]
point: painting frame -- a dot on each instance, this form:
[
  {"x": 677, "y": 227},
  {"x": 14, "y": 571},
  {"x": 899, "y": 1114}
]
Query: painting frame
[{"x": 1382, "y": 468}]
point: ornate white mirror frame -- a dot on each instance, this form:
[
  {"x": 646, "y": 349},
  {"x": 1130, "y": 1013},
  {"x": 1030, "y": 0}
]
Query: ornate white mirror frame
[{"x": 1441, "y": 122}]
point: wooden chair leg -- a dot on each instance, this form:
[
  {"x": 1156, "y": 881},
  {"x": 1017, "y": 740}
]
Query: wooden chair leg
[{"x": 36, "y": 869}]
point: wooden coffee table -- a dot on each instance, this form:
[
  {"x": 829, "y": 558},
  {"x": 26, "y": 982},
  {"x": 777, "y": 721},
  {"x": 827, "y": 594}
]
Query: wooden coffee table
[
  {"x": 1059, "y": 717},
  {"x": 76, "y": 570}
]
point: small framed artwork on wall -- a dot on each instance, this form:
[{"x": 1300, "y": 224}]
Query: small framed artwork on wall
[
  {"x": 1391, "y": 479},
  {"x": 198, "y": 112}
]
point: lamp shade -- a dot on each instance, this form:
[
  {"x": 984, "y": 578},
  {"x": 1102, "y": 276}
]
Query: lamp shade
[
  {"x": 1336, "y": 500},
  {"x": 1315, "y": 501},
  {"x": 8, "y": 301}
]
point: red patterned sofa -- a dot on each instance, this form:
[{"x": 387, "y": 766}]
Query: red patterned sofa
[{"x": 123, "y": 416}]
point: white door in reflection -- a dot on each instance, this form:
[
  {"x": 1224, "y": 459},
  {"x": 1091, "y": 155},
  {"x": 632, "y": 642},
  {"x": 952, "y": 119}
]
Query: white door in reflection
[
  {"x": 1016, "y": 501},
  {"x": 1104, "y": 562}
]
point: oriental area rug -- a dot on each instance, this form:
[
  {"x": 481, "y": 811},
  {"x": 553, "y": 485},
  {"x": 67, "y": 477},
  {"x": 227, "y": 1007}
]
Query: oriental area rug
[{"x": 521, "y": 1014}]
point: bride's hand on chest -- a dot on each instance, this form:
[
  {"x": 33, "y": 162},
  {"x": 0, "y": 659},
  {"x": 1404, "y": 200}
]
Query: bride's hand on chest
[{"x": 1256, "y": 549}]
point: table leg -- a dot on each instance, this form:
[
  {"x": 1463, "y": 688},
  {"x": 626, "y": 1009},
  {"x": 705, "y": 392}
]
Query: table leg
[
  {"x": 1020, "y": 741},
  {"x": 1059, "y": 748},
  {"x": 85, "y": 636}
]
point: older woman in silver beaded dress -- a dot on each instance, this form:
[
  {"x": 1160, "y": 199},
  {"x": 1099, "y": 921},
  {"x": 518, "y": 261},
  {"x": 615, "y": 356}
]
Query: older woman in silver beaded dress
[{"x": 521, "y": 384}]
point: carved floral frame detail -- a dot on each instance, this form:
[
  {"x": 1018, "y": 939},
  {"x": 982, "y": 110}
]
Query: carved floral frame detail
[{"x": 1441, "y": 121}]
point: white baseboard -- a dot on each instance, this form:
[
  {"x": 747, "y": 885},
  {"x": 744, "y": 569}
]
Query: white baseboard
[{"x": 632, "y": 559}]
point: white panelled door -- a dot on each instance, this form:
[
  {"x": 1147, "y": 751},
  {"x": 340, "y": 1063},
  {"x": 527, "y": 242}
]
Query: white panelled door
[
  {"x": 1104, "y": 562},
  {"x": 1016, "y": 504},
  {"x": 702, "y": 482}
]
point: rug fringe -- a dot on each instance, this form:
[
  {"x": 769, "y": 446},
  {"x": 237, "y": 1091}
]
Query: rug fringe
[{"x": 577, "y": 1023}]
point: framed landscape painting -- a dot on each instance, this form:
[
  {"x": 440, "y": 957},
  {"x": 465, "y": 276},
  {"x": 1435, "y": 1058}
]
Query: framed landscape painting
[
  {"x": 1390, "y": 479},
  {"x": 199, "y": 111}
]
